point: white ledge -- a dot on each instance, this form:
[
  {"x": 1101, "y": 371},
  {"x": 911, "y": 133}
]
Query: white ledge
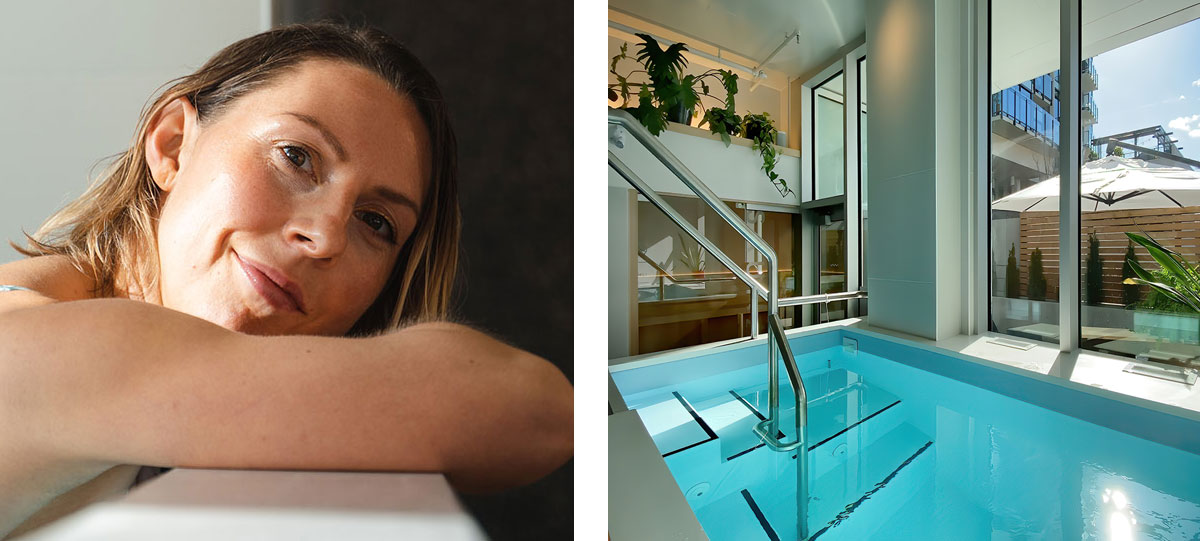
[{"x": 241, "y": 504}]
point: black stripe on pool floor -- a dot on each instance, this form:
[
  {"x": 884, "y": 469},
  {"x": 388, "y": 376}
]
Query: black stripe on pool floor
[
  {"x": 878, "y": 486},
  {"x": 859, "y": 422},
  {"x": 781, "y": 434},
  {"x": 762, "y": 519},
  {"x": 695, "y": 416}
]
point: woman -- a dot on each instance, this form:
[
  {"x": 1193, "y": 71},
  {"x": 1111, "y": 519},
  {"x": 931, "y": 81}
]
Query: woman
[{"x": 261, "y": 281}]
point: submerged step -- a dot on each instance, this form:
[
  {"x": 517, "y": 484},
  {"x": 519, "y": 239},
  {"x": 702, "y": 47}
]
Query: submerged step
[
  {"x": 675, "y": 426},
  {"x": 838, "y": 400},
  {"x": 837, "y": 493}
]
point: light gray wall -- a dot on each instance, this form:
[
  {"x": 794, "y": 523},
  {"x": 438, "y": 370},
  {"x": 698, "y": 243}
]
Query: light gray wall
[
  {"x": 622, "y": 294},
  {"x": 916, "y": 171},
  {"x": 74, "y": 76}
]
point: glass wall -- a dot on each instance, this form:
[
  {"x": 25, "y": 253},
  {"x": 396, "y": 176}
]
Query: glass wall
[
  {"x": 685, "y": 295},
  {"x": 1024, "y": 142},
  {"x": 862, "y": 175},
  {"x": 829, "y": 151},
  {"x": 1138, "y": 180}
]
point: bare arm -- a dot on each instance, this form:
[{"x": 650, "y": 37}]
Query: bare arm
[{"x": 128, "y": 382}]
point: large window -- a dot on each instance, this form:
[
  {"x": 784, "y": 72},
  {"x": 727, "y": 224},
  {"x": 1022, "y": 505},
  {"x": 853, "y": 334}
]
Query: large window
[
  {"x": 1141, "y": 176},
  {"x": 686, "y": 296},
  {"x": 1138, "y": 183},
  {"x": 1024, "y": 138},
  {"x": 862, "y": 174},
  {"x": 829, "y": 150}
]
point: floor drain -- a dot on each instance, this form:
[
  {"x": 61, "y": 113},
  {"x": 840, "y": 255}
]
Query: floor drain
[{"x": 697, "y": 491}]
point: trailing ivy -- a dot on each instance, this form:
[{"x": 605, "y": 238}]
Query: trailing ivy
[{"x": 761, "y": 130}]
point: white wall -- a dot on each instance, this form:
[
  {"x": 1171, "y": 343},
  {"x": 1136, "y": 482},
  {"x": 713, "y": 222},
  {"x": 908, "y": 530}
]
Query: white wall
[
  {"x": 74, "y": 76},
  {"x": 733, "y": 173},
  {"x": 622, "y": 292},
  {"x": 917, "y": 174}
]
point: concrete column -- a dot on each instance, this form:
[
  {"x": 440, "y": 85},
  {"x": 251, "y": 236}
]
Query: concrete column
[{"x": 917, "y": 53}]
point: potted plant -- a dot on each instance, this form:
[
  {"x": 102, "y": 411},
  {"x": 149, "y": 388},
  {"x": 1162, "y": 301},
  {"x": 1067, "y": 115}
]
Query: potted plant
[
  {"x": 691, "y": 256},
  {"x": 669, "y": 95},
  {"x": 1170, "y": 309},
  {"x": 760, "y": 129}
]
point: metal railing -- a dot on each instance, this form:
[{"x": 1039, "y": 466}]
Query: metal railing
[
  {"x": 689, "y": 179},
  {"x": 776, "y": 339},
  {"x": 664, "y": 275},
  {"x": 768, "y": 428}
]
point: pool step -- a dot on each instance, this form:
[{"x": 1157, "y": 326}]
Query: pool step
[
  {"x": 715, "y": 470},
  {"x": 851, "y": 483}
]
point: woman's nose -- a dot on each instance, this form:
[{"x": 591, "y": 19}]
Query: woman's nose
[{"x": 320, "y": 235}]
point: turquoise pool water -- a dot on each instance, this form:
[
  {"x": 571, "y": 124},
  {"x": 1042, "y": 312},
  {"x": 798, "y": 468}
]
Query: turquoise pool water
[{"x": 901, "y": 452}]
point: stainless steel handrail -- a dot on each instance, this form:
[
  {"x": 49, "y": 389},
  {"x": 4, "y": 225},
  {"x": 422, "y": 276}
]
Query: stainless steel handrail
[
  {"x": 664, "y": 275},
  {"x": 667, "y": 274},
  {"x": 767, "y": 431},
  {"x": 689, "y": 179},
  {"x": 657, "y": 200},
  {"x": 822, "y": 298}
]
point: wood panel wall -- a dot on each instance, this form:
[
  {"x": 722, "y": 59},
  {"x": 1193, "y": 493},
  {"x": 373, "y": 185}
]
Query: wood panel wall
[{"x": 1177, "y": 228}]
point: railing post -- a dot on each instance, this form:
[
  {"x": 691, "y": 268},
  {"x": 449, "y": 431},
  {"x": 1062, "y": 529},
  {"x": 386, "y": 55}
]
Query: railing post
[{"x": 754, "y": 314}]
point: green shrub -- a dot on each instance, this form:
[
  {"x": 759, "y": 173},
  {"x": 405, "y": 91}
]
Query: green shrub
[
  {"x": 1130, "y": 293},
  {"x": 1177, "y": 282},
  {"x": 1158, "y": 301},
  {"x": 1093, "y": 287},
  {"x": 1037, "y": 276},
  {"x": 1012, "y": 275}
]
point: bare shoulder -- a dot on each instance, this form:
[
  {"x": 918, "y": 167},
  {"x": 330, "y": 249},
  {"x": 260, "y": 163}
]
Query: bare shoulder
[{"x": 52, "y": 278}]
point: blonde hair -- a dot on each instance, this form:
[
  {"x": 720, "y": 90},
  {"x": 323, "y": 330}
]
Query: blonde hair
[{"x": 109, "y": 231}]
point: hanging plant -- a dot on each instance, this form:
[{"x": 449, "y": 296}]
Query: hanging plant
[{"x": 760, "y": 129}]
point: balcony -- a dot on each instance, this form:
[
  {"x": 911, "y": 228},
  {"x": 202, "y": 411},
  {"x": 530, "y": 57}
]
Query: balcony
[{"x": 1089, "y": 81}]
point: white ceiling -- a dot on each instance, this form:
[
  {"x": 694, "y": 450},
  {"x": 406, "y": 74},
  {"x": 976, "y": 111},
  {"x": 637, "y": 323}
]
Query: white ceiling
[{"x": 754, "y": 28}]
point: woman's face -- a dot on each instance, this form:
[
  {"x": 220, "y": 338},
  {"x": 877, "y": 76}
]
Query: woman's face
[{"x": 285, "y": 213}]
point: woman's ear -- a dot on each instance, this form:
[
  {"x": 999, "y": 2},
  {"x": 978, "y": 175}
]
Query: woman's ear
[{"x": 168, "y": 139}]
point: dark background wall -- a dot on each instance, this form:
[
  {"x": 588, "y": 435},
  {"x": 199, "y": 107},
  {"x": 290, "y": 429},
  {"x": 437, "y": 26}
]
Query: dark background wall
[{"x": 506, "y": 71}]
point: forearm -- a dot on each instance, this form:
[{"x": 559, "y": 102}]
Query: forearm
[{"x": 130, "y": 382}]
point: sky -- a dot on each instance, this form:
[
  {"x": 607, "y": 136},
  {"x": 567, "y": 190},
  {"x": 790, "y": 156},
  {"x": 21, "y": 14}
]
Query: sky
[{"x": 1151, "y": 82}]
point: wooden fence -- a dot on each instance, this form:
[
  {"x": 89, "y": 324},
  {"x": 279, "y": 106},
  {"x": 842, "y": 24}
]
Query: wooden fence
[{"x": 1177, "y": 228}]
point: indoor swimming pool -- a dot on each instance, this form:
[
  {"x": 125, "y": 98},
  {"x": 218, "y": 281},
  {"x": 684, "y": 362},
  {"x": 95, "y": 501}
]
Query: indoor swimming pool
[{"x": 907, "y": 442}]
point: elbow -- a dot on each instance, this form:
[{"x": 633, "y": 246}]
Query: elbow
[{"x": 537, "y": 438}]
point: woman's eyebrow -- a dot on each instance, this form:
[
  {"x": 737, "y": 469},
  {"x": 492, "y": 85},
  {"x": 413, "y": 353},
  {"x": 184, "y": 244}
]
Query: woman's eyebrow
[
  {"x": 398, "y": 198},
  {"x": 328, "y": 135}
]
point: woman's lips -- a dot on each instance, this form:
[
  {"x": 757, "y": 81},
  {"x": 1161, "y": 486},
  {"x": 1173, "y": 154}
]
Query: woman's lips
[{"x": 273, "y": 286}]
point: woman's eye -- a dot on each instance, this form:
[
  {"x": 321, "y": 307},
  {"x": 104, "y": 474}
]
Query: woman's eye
[
  {"x": 297, "y": 156},
  {"x": 378, "y": 223}
]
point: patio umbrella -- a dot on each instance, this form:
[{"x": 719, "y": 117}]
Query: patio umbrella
[{"x": 1114, "y": 183}]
